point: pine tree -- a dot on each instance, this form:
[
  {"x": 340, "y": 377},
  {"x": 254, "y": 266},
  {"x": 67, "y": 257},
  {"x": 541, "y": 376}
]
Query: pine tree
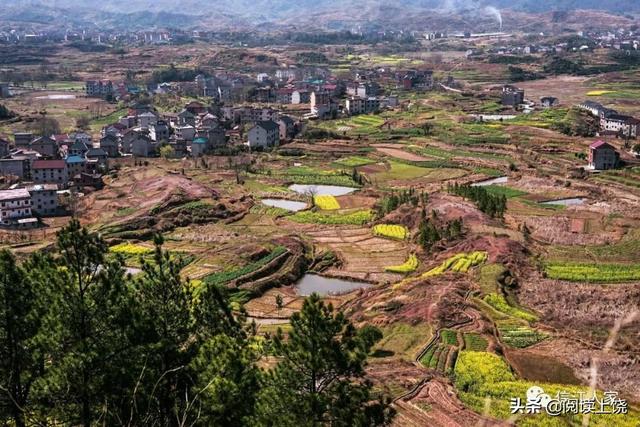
[
  {"x": 166, "y": 306},
  {"x": 88, "y": 329},
  {"x": 20, "y": 355},
  {"x": 320, "y": 377}
]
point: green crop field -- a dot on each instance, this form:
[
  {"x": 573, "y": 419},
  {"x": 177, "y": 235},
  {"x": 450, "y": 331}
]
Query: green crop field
[
  {"x": 501, "y": 190},
  {"x": 475, "y": 342},
  {"x": 354, "y": 161},
  {"x": 227, "y": 276},
  {"x": 486, "y": 384},
  {"x": 626, "y": 250},
  {"x": 593, "y": 272},
  {"x": 517, "y": 335},
  {"x": 340, "y": 218},
  {"x": 499, "y": 303}
]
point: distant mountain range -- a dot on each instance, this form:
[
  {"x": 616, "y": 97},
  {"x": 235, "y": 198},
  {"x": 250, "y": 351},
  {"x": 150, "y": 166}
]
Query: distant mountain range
[{"x": 137, "y": 14}]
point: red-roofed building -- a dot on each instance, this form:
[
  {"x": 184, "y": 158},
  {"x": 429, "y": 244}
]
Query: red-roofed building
[
  {"x": 50, "y": 172},
  {"x": 603, "y": 156}
]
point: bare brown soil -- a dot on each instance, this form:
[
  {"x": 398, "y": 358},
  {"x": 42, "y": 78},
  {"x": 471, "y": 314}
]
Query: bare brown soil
[{"x": 392, "y": 151}]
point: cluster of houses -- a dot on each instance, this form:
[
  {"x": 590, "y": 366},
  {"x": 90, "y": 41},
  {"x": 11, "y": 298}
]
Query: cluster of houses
[
  {"x": 65, "y": 160},
  {"x": 40, "y": 169},
  {"x": 195, "y": 131},
  {"x": 611, "y": 122}
]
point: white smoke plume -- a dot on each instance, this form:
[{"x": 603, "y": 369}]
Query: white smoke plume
[
  {"x": 473, "y": 5},
  {"x": 494, "y": 12}
]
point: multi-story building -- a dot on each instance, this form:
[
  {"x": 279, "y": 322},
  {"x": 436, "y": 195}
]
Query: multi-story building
[
  {"x": 15, "y": 208},
  {"x": 46, "y": 146},
  {"x": 357, "y": 105},
  {"x": 159, "y": 131},
  {"x": 50, "y": 172},
  {"x": 264, "y": 134},
  {"x": 99, "y": 88},
  {"x": 19, "y": 166},
  {"x": 22, "y": 139},
  {"x": 44, "y": 199},
  {"x": 603, "y": 156},
  {"x": 619, "y": 124},
  {"x": 322, "y": 105},
  {"x": 512, "y": 96},
  {"x": 300, "y": 97}
]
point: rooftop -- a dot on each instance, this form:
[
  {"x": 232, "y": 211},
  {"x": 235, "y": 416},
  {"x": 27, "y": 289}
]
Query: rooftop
[
  {"x": 18, "y": 193},
  {"x": 601, "y": 144},
  {"x": 268, "y": 125},
  {"x": 75, "y": 159},
  {"x": 48, "y": 164}
]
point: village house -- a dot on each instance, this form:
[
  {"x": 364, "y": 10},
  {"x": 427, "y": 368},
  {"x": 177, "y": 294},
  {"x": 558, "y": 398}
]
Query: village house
[
  {"x": 264, "y": 134},
  {"x": 159, "y": 131},
  {"x": 5, "y": 147},
  {"x": 322, "y": 105},
  {"x": 143, "y": 146},
  {"x": 619, "y": 124},
  {"x": 179, "y": 147},
  {"x": 22, "y": 139},
  {"x": 18, "y": 166},
  {"x": 363, "y": 89},
  {"x": 255, "y": 115},
  {"x": 199, "y": 147},
  {"x": 186, "y": 117},
  {"x": 15, "y": 209},
  {"x": 46, "y": 146},
  {"x": 114, "y": 129},
  {"x": 300, "y": 97},
  {"x": 208, "y": 120},
  {"x": 287, "y": 128},
  {"x": 83, "y": 137},
  {"x": 357, "y": 105},
  {"x": 50, "y": 172},
  {"x": 512, "y": 96},
  {"x": 415, "y": 80},
  {"x": 186, "y": 132},
  {"x": 147, "y": 119},
  {"x": 78, "y": 148},
  {"x": 128, "y": 122},
  {"x": 217, "y": 137},
  {"x": 195, "y": 108},
  {"x": 548, "y": 101},
  {"x": 87, "y": 179},
  {"x": 44, "y": 199},
  {"x": 97, "y": 159},
  {"x": 603, "y": 156},
  {"x": 76, "y": 164},
  {"x": 110, "y": 144},
  {"x": 596, "y": 109},
  {"x": 99, "y": 88},
  {"x": 284, "y": 95}
]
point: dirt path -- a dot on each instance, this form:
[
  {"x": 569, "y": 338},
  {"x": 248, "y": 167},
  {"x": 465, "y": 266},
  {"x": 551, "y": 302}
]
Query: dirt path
[
  {"x": 433, "y": 401},
  {"x": 393, "y": 151}
]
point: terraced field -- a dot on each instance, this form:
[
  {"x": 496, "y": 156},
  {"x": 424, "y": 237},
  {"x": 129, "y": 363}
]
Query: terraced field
[{"x": 362, "y": 253}]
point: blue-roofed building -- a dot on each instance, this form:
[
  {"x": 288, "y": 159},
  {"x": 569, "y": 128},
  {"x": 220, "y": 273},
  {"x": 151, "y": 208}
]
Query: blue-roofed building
[
  {"x": 78, "y": 148},
  {"x": 199, "y": 146},
  {"x": 75, "y": 165}
]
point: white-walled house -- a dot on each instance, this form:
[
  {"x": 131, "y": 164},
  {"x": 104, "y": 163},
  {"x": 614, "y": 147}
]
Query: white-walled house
[
  {"x": 15, "y": 208},
  {"x": 44, "y": 199},
  {"x": 264, "y": 134}
]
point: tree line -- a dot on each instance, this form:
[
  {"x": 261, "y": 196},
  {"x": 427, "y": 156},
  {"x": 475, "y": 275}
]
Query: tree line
[
  {"x": 429, "y": 233},
  {"x": 493, "y": 205},
  {"x": 84, "y": 343}
]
